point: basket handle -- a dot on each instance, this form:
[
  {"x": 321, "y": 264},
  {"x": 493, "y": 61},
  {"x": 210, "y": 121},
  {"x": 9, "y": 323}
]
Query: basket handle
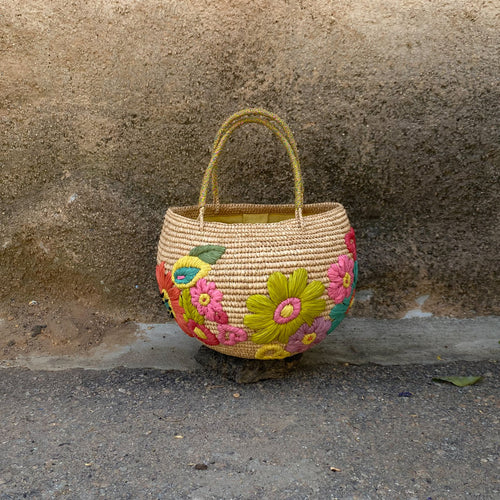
[
  {"x": 262, "y": 114},
  {"x": 280, "y": 129}
]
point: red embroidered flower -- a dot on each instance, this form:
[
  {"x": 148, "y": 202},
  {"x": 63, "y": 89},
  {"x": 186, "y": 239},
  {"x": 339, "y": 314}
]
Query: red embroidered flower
[
  {"x": 202, "y": 333},
  {"x": 161, "y": 277},
  {"x": 350, "y": 241},
  {"x": 171, "y": 294}
]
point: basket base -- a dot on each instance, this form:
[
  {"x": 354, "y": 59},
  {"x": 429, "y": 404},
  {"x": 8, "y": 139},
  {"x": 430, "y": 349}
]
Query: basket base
[{"x": 245, "y": 371}]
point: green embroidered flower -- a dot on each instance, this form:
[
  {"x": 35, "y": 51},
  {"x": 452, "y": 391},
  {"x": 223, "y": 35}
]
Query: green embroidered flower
[{"x": 291, "y": 303}]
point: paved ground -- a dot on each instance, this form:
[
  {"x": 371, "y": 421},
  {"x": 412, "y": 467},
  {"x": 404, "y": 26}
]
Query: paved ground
[
  {"x": 138, "y": 433},
  {"x": 356, "y": 341}
]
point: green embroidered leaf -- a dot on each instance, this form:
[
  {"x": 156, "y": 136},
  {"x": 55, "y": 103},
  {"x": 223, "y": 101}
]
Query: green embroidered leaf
[
  {"x": 190, "y": 311},
  {"x": 208, "y": 253},
  {"x": 458, "y": 381}
]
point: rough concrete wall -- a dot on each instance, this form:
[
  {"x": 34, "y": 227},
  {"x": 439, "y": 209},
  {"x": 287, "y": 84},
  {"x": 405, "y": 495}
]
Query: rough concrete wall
[{"x": 109, "y": 108}]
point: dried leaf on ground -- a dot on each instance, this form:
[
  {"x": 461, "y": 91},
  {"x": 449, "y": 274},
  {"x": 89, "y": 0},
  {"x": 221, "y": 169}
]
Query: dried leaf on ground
[{"x": 459, "y": 381}]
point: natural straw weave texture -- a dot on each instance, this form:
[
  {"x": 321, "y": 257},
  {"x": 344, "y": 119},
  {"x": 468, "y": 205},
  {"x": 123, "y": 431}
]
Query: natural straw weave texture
[{"x": 311, "y": 237}]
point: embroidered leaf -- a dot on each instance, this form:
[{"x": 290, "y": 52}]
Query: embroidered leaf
[
  {"x": 458, "y": 381},
  {"x": 190, "y": 311},
  {"x": 185, "y": 275},
  {"x": 188, "y": 270},
  {"x": 208, "y": 253}
]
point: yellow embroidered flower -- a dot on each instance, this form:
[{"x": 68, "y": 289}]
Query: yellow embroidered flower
[
  {"x": 291, "y": 303},
  {"x": 272, "y": 351},
  {"x": 188, "y": 270}
]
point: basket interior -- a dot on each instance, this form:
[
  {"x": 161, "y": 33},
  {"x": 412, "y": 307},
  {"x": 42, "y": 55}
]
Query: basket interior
[
  {"x": 249, "y": 218},
  {"x": 251, "y": 214}
]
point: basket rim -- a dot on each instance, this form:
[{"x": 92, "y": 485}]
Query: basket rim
[{"x": 315, "y": 210}]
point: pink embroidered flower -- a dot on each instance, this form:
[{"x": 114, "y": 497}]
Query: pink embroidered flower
[
  {"x": 341, "y": 279},
  {"x": 350, "y": 241},
  {"x": 220, "y": 317},
  {"x": 306, "y": 336},
  {"x": 206, "y": 298},
  {"x": 230, "y": 335},
  {"x": 202, "y": 333},
  {"x": 287, "y": 311}
]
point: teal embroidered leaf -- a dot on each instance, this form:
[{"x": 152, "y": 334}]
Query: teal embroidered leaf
[
  {"x": 459, "y": 381},
  {"x": 208, "y": 253},
  {"x": 185, "y": 274}
]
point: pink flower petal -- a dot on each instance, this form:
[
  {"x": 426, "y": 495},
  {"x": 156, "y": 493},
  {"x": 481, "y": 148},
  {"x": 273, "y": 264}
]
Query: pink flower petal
[
  {"x": 230, "y": 335},
  {"x": 337, "y": 290},
  {"x": 213, "y": 310}
]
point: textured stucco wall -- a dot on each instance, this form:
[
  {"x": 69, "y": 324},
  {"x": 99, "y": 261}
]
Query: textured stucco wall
[{"x": 109, "y": 109}]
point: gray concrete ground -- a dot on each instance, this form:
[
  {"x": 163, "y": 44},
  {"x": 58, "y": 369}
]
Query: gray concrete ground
[
  {"x": 324, "y": 432},
  {"x": 330, "y": 429},
  {"x": 356, "y": 340}
]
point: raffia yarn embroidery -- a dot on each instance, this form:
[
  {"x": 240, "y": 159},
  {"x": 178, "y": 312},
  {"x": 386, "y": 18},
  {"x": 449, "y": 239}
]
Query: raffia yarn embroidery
[
  {"x": 292, "y": 312},
  {"x": 257, "y": 281}
]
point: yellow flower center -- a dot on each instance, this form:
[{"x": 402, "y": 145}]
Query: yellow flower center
[
  {"x": 200, "y": 333},
  {"x": 287, "y": 311},
  {"x": 347, "y": 280},
  {"x": 309, "y": 338},
  {"x": 204, "y": 299}
]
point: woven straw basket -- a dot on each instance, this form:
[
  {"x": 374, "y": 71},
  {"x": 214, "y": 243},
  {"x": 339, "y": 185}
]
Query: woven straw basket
[{"x": 257, "y": 281}]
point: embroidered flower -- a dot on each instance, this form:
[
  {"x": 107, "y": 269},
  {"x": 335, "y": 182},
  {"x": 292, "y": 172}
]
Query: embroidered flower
[
  {"x": 165, "y": 283},
  {"x": 220, "y": 317},
  {"x": 207, "y": 300},
  {"x": 272, "y": 351},
  {"x": 230, "y": 335},
  {"x": 340, "y": 310},
  {"x": 341, "y": 277},
  {"x": 201, "y": 332},
  {"x": 291, "y": 303},
  {"x": 350, "y": 241},
  {"x": 171, "y": 295},
  {"x": 188, "y": 270},
  {"x": 306, "y": 336}
]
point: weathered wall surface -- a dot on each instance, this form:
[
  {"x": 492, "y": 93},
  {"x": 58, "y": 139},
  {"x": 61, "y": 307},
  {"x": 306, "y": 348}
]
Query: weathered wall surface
[{"x": 109, "y": 109}]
